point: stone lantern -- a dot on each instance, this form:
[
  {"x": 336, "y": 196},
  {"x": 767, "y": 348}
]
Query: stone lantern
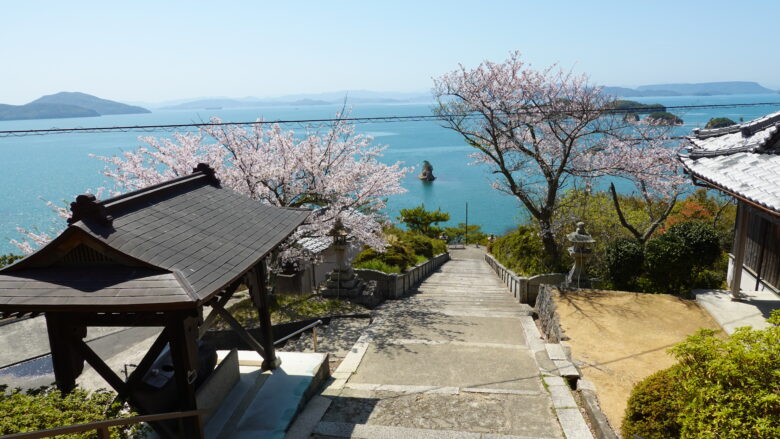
[
  {"x": 580, "y": 251},
  {"x": 342, "y": 281}
]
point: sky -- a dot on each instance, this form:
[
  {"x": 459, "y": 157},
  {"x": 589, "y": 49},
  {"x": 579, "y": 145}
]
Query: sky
[{"x": 155, "y": 51}]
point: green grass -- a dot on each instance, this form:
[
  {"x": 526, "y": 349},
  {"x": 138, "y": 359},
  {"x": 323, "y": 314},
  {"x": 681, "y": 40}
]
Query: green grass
[{"x": 289, "y": 308}]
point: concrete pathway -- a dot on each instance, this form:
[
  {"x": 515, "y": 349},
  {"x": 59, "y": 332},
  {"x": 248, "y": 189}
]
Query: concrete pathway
[
  {"x": 751, "y": 310},
  {"x": 459, "y": 359}
]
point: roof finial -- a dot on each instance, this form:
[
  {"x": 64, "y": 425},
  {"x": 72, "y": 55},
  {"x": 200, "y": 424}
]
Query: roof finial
[
  {"x": 208, "y": 171},
  {"x": 87, "y": 207}
]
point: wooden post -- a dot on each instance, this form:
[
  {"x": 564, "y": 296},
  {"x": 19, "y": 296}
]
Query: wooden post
[
  {"x": 259, "y": 293},
  {"x": 182, "y": 328},
  {"x": 740, "y": 236},
  {"x": 68, "y": 363}
]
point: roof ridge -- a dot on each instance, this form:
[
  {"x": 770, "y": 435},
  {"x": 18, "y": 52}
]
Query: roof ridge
[{"x": 747, "y": 128}]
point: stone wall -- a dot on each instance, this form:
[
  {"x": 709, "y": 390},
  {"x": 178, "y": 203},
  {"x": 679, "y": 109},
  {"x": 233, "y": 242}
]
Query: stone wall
[
  {"x": 546, "y": 312},
  {"x": 396, "y": 286},
  {"x": 524, "y": 289}
]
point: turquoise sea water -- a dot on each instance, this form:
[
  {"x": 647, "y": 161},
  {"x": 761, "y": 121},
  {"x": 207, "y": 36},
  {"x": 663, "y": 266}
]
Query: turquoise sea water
[{"x": 57, "y": 167}]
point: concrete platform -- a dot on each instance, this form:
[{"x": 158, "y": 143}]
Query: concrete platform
[
  {"x": 262, "y": 405},
  {"x": 752, "y": 310}
]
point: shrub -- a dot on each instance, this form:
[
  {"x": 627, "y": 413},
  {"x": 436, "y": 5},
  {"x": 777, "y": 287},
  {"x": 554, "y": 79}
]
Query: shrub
[
  {"x": 396, "y": 254},
  {"x": 46, "y": 407},
  {"x": 520, "y": 251},
  {"x": 420, "y": 245},
  {"x": 375, "y": 264},
  {"x": 678, "y": 260},
  {"x": 727, "y": 388},
  {"x": 701, "y": 242},
  {"x": 653, "y": 407},
  {"x": 624, "y": 258}
]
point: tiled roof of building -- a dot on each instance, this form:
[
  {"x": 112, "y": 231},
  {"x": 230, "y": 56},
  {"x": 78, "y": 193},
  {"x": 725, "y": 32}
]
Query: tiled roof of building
[
  {"x": 742, "y": 159},
  {"x": 174, "y": 245}
]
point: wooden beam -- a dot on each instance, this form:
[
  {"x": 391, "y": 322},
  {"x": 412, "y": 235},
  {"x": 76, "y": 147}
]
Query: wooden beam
[
  {"x": 142, "y": 319},
  {"x": 259, "y": 292},
  {"x": 68, "y": 364},
  {"x": 212, "y": 317},
  {"x": 100, "y": 366},
  {"x": 240, "y": 330},
  {"x": 183, "y": 331},
  {"x": 740, "y": 238}
]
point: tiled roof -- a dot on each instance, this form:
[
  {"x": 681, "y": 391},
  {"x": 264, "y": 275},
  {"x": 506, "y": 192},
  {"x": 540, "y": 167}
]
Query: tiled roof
[
  {"x": 174, "y": 244},
  {"x": 743, "y": 159}
]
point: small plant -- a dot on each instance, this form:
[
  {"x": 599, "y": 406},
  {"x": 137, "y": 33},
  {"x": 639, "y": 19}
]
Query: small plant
[
  {"x": 46, "y": 407},
  {"x": 377, "y": 265},
  {"x": 726, "y": 388}
]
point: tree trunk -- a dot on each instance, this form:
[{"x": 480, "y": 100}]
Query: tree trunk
[{"x": 552, "y": 256}]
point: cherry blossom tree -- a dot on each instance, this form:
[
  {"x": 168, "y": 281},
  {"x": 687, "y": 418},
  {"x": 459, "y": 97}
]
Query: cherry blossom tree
[
  {"x": 540, "y": 131},
  {"x": 333, "y": 171}
]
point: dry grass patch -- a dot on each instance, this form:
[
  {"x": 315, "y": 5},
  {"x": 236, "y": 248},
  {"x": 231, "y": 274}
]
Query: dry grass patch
[{"x": 623, "y": 337}]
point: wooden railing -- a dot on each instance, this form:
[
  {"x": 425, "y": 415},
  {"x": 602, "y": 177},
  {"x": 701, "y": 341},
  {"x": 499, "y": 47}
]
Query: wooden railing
[{"x": 101, "y": 427}]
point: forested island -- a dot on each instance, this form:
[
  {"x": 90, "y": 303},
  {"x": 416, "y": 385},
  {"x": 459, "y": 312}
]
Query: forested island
[{"x": 65, "y": 105}]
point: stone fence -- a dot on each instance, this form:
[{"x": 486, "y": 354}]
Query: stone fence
[
  {"x": 524, "y": 289},
  {"x": 396, "y": 286},
  {"x": 548, "y": 317}
]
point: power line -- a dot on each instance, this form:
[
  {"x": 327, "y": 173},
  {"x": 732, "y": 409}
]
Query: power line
[{"x": 309, "y": 123}]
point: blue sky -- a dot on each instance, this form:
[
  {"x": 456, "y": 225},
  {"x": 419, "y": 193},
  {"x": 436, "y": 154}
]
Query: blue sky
[{"x": 162, "y": 50}]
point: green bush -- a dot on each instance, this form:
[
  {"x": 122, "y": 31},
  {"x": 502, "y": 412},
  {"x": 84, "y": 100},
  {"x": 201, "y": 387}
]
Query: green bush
[
  {"x": 377, "y": 265},
  {"x": 653, "y": 407},
  {"x": 726, "y": 388},
  {"x": 520, "y": 251},
  {"x": 420, "y": 245},
  {"x": 45, "y": 408},
  {"x": 623, "y": 259},
  {"x": 396, "y": 254},
  {"x": 683, "y": 258},
  {"x": 701, "y": 241}
]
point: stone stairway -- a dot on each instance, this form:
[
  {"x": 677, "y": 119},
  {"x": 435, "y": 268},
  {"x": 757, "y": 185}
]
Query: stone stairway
[{"x": 453, "y": 360}]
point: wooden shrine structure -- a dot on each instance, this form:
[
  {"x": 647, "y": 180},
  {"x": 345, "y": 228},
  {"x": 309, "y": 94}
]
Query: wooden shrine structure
[
  {"x": 153, "y": 257},
  {"x": 743, "y": 161}
]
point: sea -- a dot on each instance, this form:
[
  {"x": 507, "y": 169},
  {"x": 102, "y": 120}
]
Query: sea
[{"x": 58, "y": 167}]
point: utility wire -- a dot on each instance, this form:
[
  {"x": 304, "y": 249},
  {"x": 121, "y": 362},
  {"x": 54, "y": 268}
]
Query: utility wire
[{"x": 309, "y": 123}]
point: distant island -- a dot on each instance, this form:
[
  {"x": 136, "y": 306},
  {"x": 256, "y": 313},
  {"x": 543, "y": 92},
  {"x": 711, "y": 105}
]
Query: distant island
[
  {"x": 299, "y": 100},
  {"x": 65, "y": 105},
  {"x": 220, "y": 103},
  {"x": 699, "y": 89},
  {"x": 634, "y": 107}
]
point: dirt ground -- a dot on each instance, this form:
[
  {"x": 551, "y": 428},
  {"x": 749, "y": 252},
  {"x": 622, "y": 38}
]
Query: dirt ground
[{"x": 621, "y": 338}]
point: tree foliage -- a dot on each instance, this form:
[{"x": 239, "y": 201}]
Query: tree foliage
[
  {"x": 471, "y": 234},
  {"x": 9, "y": 259},
  {"x": 624, "y": 259},
  {"x": 333, "y": 171},
  {"x": 424, "y": 221},
  {"x": 719, "y": 122},
  {"x": 725, "y": 388},
  {"x": 539, "y": 130}
]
